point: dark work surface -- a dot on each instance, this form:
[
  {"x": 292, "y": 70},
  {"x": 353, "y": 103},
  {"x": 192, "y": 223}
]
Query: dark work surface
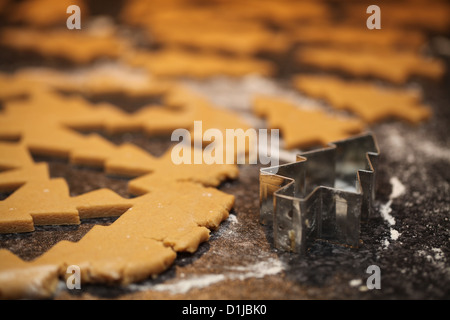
[
  {"x": 239, "y": 261},
  {"x": 415, "y": 266}
]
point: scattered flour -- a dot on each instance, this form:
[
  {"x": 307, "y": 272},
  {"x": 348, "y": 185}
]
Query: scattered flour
[
  {"x": 355, "y": 282},
  {"x": 238, "y": 94},
  {"x": 436, "y": 257},
  {"x": 232, "y": 218},
  {"x": 394, "y": 234},
  {"x": 358, "y": 283},
  {"x": 435, "y": 151},
  {"x": 398, "y": 189},
  {"x": 185, "y": 285},
  {"x": 406, "y": 147},
  {"x": 260, "y": 269}
]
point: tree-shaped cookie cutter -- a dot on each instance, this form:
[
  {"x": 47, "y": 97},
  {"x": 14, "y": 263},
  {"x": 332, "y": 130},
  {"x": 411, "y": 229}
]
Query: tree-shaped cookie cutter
[{"x": 325, "y": 194}]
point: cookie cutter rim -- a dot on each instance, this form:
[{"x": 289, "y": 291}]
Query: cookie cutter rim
[{"x": 325, "y": 194}]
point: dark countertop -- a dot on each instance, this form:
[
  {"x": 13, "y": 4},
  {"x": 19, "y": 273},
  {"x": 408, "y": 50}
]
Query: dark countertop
[{"x": 414, "y": 266}]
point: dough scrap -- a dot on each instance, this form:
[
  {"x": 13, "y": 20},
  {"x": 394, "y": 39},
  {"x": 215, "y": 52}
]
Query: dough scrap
[
  {"x": 180, "y": 109},
  {"x": 142, "y": 242},
  {"x": 41, "y": 122},
  {"x": 180, "y": 63},
  {"x": 136, "y": 12},
  {"x": 210, "y": 29},
  {"x": 52, "y": 134},
  {"x": 347, "y": 36},
  {"x": 174, "y": 211},
  {"x": 77, "y": 47},
  {"x": 391, "y": 65},
  {"x": 366, "y": 100},
  {"x": 209, "y": 35},
  {"x": 97, "y": 80},
  {"x": 17, "y": 167},
  {"x": 302, "y": 128}
]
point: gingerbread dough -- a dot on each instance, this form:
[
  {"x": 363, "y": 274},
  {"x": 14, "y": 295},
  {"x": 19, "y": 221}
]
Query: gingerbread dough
[
  {"x": 98, "y": 80},
  {"x": 391, "y": 65},
  {"x": 78, "y": 47},
  {"x": 349, "y": 36},
  {"x": 178, "y": 63},
  {"x": 370, "y": 102},
  {"x": 175, "y": 209},
  {"x": 304, "y": 128},
  {"x": 142, "y": 242}
]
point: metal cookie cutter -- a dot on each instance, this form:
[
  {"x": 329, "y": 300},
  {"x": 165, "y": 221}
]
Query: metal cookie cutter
[{"x": 325, "y": 194}]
